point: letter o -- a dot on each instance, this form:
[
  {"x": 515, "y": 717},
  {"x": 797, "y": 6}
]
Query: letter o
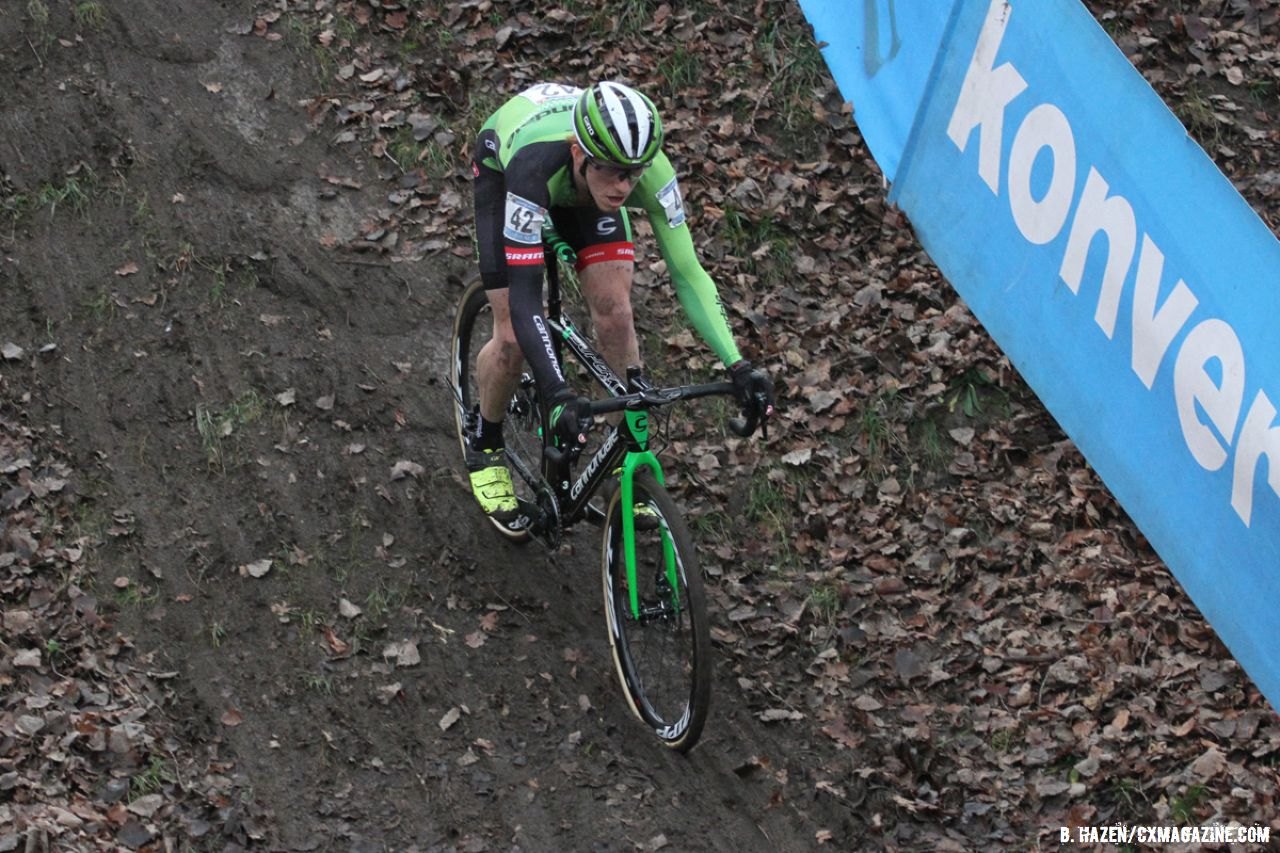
[{"x": 1041, "y": 220}]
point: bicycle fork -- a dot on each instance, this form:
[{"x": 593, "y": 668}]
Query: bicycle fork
[{"x": 637, "y": 423}]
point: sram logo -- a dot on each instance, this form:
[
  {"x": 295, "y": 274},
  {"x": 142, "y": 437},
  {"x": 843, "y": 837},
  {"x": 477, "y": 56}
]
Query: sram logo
[{"x": 524, "y": 257}]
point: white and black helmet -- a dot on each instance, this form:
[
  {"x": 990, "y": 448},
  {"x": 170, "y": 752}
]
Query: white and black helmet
[{"x": 617, "y": 124}]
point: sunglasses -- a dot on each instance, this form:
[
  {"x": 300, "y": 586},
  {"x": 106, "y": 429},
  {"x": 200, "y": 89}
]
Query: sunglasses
[{"x": 630, "y": 174}]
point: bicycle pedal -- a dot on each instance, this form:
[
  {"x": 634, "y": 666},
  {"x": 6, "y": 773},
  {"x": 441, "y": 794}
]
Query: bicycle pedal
[{"x": 522, "y": 519}]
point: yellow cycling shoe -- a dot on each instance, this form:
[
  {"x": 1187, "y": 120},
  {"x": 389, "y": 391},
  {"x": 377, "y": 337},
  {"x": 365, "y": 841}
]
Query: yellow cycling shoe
[{"x": 491, "y": 483}]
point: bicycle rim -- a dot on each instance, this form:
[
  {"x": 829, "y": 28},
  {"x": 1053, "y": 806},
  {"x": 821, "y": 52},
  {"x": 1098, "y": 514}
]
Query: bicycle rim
[
  {"x": 662, "y": 655},
  {"x": 473, "y": 328}
]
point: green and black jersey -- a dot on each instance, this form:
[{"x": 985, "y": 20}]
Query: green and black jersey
[{"x": 523, "y": 178}]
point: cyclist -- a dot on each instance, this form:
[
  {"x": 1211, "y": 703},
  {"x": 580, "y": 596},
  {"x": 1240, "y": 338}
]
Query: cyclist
[{"x": 575, "y": 159}]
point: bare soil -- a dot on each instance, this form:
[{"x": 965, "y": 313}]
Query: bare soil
[{"x": 181, "y": 295}]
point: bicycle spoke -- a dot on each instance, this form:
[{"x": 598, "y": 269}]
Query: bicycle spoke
[{"x": 658, "y": 629}]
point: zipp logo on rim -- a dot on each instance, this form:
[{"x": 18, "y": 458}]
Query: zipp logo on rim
[{"x": 606, "y": 225}]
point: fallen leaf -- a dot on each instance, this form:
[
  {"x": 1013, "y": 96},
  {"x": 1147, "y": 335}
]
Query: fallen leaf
[
  {"x": 337, "y": 645},
  {"x": 405, "y": 654},
  {"x": 128, "y": 269},
  {"x": 232, "y": 718},
  {"x": 146, "y": 805},
  {"x": 774, "y": 715},
  {"x": 256, "y": 569},
  {"x": 405, "y": 468},
  {"x": 798, "y": 457},
  {"x": 1209, "y": 765},
  {"x": 451, "y": 716}
]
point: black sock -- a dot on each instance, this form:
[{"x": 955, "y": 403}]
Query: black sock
[{"x": 488, "y": 435}]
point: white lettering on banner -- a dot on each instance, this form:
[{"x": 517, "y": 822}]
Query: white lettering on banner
[
  {"x": 1044, "y": 127},
  {"x": 1153, "y": 330},
  {"x": 984, "y": 95},
  {"x": 1114, "y": 216},
  {"x": 1257, "y": 438},
  {"x": 1211, "y": 339},
  {"x": 1209, "y": 366}
]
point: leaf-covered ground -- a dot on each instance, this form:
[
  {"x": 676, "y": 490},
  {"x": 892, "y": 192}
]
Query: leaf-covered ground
[{"x": 247, "y": 603}]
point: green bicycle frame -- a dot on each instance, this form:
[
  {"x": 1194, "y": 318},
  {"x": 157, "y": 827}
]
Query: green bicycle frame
[{"x": 638, "y": 424}]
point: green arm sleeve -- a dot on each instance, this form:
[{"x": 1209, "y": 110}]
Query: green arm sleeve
[{"x": 660, "y": 197}]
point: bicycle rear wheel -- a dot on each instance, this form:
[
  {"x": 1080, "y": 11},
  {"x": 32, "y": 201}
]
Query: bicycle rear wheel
[
  {"x": 472, "y": 329},
  {"x": 661, "y": 642}
]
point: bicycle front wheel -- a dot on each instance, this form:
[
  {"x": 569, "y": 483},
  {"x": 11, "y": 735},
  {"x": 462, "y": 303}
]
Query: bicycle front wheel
[
  {"x": 472, "y": 329},
  {"x": 657, "y": 615}
]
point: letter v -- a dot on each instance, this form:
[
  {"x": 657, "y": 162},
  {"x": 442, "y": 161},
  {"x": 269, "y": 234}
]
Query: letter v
[{"x": 1154, "y": 330}]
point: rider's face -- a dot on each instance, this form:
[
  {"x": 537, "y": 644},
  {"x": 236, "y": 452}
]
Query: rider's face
[{"x": 608, "y": 185}]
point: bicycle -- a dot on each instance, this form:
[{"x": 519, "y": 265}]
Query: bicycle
[{"x": 655, "y": 607}]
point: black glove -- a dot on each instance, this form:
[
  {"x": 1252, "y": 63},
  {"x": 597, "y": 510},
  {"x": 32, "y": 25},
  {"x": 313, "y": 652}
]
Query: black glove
[
  {"x": 753, "y": 388},
  {"x": 569, "y": 420}
]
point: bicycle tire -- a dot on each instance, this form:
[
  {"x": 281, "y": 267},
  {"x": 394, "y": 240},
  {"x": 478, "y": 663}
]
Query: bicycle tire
[
  {"x": 663, "y": 659},
  {"x": 472, "y": 329}
]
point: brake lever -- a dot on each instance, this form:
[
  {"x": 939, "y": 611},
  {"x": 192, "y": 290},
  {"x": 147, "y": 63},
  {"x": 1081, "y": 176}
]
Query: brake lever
[{"x": 766, "y": 412}]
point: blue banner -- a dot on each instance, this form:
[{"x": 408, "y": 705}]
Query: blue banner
[
  {"x": 880, "y": 53},
  {"x": 1126, "y": 279}
]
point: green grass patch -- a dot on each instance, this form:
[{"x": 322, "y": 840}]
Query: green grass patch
[
  {"x": 763, "y": 243},
  {"x": 90, "y": 15},
  {"x": 75, "y": 191},
  {"x": 38, "y": 12},
  {"x": 410, "y": 154},
  {"x": 136, "y": 595},
  {"x": 1196, "y": 112},
  {"x": 931, "y": 447},
  {"x": 824, "y": 603},
  {"x": 798, "y": 77},
  {"x": 977, "y": 396},
  {"x": 317, "y": 683},
  {"x": 217, "y": 633},
  {"x": 217, "y": 426},
  {"x": 771, "y": 496},
  {"x": 880, "y": 427},
  {"x": 1183, "y": 808},
  {"x": 151, "y": 779},
  {"x": 680, "y": 70},
  {"x": 1263, "y": 92}
]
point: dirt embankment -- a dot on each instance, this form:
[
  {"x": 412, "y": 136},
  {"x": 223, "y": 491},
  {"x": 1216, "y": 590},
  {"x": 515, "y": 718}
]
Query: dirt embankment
[{"x": 225, "y": 390}]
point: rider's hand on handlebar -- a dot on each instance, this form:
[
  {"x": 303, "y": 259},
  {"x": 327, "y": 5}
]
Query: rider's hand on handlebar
[
  {"x": 569, "y": 420},
  {"x": 753, "y": 389}
]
